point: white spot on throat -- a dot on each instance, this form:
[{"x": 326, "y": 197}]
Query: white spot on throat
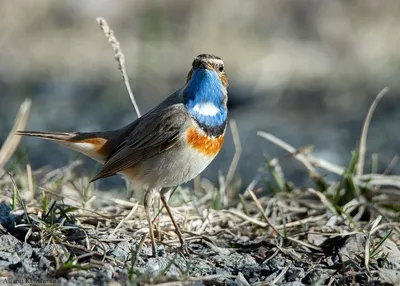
[{"x": 206, "y": 108}]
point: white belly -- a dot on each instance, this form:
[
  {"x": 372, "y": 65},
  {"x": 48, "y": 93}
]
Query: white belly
[{"x": 174, "y": 167}]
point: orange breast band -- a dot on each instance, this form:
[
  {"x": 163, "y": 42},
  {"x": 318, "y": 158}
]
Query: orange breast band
[{"x": 201, "y": 142}]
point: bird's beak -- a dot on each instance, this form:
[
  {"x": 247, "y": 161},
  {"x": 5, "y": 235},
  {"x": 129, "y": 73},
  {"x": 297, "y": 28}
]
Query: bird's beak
[
  {"x": 205, "y": 65},
  {"x": 199, "y": 69}
]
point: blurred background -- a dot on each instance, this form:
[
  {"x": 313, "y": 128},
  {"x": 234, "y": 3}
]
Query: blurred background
[{"x": 305, "y": 71}]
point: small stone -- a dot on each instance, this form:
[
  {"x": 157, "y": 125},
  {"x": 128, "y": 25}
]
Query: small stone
[
  {"x": 122, "y": 251},
  {"x": 6, "y": 218},
  {"x": 241, "y": 280},
  {"x": 292, "y": 284},
  {"x": 295, "y": 274},
  {"x": 44, "y": 263},
  {"x": 109, "y": 271}
]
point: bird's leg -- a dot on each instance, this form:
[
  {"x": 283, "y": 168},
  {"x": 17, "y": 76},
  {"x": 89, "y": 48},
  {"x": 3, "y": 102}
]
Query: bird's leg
[
  {"x": 164, "y": 194},
  {"x": 148, "y": 201}
]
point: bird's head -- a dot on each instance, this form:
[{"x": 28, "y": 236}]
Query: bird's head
[
  {"x": 206, "y": 90},
  {"x": 211, "y": 64}
]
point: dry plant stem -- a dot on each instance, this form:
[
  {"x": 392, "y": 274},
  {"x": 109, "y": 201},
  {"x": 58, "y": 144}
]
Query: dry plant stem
[
  {"x": 236, "y": 156},
  {"x": 124, "y": 219},
  {"x": 80, "y": 248},
  {"x": 124, "y": 203},
  {"x": 364, "y": 133},
  {"x": 260, "y": 209},
  {"x": 30, "y": 182},
  {"x": 246, "y": 218},
  {"x": 310, "y": 162},
  {"x": 328, "y": 166},
  {"x": 305, "y": 244},
  {"x": 285, "y": 146},
  {"x": 392, "y": 163},
  {"x": 119, "y": 57},
  {"x": 283, "y": 272},
  {"x": 278, "y": 227},
  {"x": 324, "y": 200},
  {"x": 195, "y": 279},
  {"x": 12, "y": 141}
]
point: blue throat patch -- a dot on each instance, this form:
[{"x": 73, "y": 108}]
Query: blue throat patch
[{"x": 205, "y": 87}]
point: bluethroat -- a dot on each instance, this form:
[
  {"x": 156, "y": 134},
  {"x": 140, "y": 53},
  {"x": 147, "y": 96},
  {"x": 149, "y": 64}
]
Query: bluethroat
[{"x": 169, "y": 145}]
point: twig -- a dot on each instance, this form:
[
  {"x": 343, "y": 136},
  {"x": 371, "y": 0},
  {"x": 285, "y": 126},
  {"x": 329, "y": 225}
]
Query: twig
[
  {"x": 119, "y": 57},
  {"x": 363, "y": 140},
  {"x": 283, "y": 272}
]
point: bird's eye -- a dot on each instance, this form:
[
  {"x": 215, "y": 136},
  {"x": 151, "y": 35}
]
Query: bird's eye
[{"x": 221, "y": 68}]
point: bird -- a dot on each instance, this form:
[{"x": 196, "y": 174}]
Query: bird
[{"x": 166, "y": 147}]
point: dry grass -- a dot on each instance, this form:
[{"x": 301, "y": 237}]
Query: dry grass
[
  {"x": 119, "y": 57},
  {"x": 305, "y": 225},
  {"x": 300, "y": 224}
]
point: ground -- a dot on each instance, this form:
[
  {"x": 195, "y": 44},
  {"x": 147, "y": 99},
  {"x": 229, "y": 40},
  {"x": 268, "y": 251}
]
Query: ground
[
  {"x": 73, "y": 234},
  {"x": 340, "y": 228}
]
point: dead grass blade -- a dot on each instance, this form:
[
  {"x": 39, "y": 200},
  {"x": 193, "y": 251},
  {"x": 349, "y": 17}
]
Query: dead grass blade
[
  {"x": 12, "y": 141},
  {"x": 31, "y": 191},
  {"x": 326, "y": 165},
  {"x": 364, "y": 133},
  {"x": 279, "y": 277},
  {"x": 324, "y": 201},
  {"x": 134, "y": 208},
  {"x": 260, "y": 209},
  {"x": 392, "y": 163},
  {"x": 293, "y": 151}
]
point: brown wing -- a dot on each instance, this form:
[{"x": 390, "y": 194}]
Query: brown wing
[{"x": 155, "y": 132}]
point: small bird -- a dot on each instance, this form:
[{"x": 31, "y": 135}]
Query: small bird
[{"x": 169, "y": 145}]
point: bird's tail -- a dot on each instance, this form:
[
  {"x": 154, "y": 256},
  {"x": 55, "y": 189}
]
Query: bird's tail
[
  {"x": 55, "y": 136},
  {"x": 93, "y": 144}
]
